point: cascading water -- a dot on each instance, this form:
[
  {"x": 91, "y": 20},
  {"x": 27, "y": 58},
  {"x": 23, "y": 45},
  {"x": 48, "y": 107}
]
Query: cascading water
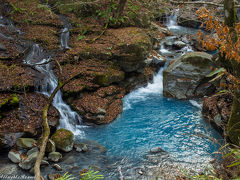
[
  {"x": 149, "y": 120},
  {"x": 47, "y": 82},
  {"x": 64, "y": 37},
  {"x": 172, "y": 20}
]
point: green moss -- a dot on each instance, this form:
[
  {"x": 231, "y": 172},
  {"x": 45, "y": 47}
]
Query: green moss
[
  {"x": 63, "y": 139},
  {"x": 109, "y": 77},
  {"x": 15, "y": 100}
]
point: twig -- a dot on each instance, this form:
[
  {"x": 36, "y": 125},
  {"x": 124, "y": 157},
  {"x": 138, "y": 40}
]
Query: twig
[
  {"x": 105, "y": 28},
  {"x": 120, "y": 172}
]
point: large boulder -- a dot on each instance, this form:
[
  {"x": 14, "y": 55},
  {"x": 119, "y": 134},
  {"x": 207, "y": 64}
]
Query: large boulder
[
  {"x": 186, "y": 77},
  {"x": 63, "y": 139}
]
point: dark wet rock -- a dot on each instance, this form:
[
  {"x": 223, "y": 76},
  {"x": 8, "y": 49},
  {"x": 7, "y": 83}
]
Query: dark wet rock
[
  {"x": 44, "y": 163},
  {"x": 179, "y": 45},
  {"x": 51, "y": 147},
  {"x": 156, "y": 150},
  {"x": 28, "y": 163},
  {"x": 186, "y": 77},
  {"x": 33, "y": 150},
  {"x": 14, "y": 156},
  {"x": 189, "y": 22},
  {"x": 8, "y": 140},
  {"x": 26, "y": 143},
  {"x": 54, "y": 156},
  {"x": 217, "y": 109},
  {"x": 63, "y": 139},
  {"x": 81, "y": 147},
  {"x": 156, "y": 60}
]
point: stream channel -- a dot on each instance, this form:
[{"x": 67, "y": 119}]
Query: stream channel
[{"x": 153, "y": 135}]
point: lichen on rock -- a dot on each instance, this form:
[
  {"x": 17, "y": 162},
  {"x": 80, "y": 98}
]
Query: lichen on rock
[{"x": 64, "y": 140}]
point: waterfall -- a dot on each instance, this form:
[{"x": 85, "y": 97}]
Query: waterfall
[
  {"x": 46, "y": 84},
  {"x": 64, "y": 37},
  {"x": 172, "y": 20}
]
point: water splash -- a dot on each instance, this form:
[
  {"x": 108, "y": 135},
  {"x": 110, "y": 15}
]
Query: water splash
[
  {"x": 46, "y": 84},
  {"x": 196, "y": 104}
]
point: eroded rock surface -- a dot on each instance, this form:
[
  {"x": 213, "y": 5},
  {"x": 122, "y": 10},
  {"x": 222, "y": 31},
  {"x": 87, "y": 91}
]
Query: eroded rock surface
[{"x": 186, "y": 77}]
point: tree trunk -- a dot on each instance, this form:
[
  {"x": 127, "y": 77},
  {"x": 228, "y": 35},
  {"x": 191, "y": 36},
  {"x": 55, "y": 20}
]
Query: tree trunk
[{"x": 120, "y": 8}]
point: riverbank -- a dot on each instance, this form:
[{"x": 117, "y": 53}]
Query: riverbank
[{"x": 108, "y": 67}]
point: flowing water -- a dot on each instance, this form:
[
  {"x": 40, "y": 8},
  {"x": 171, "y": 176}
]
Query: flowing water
[
  {"x": 46, "y": 83},
  {"x": 149, "y": 120}
]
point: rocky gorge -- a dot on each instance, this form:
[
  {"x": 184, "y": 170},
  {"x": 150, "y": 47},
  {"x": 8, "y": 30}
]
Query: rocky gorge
[{"x": 105, "y": 66}]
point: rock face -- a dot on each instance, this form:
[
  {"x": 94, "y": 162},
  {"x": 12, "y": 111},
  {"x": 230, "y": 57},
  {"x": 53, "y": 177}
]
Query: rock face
[
  {"x": 63, "y": 139},
  {"x": 217, "y": 109},
  {"x": 185, "y": 77}
]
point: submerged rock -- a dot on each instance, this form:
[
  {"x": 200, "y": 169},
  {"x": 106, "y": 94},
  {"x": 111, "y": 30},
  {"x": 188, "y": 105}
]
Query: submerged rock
[
  {"x": 63, "y": 139},
  {"x": 178, "y": 45},
  {"x": 54, "y": 156},
  {"x": 51, "y": 147},
  {"x": 57, "y": 167},
  {"x": 156, "y": 150},
  {"x": 81, "y": 147},
  {"x": 186, "y": 77}
]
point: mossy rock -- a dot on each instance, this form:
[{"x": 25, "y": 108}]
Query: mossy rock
[
  {"x": 26, "y": 143},
  {"x": 7, "y": 104},
  {"x": 105, "y": 79},
  {"x": 63, "y": 139}
]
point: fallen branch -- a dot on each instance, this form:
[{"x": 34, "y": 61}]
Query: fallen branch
[
  {"x": 201, "y": 2},
  {"x": 120, "y": 172}
]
